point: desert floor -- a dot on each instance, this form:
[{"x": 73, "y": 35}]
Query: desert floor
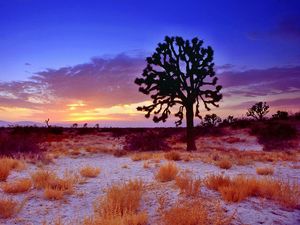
[{"x": 238, "y": 148}]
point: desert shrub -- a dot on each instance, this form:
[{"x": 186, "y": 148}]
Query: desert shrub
[
  {"x": 8, "y": 207},
  {"x": 265, "y": 170},
  {"x": 54, "y": 187},
  {"x": 224, "y": 163},
  {"x": 12, "y": 143},
  {"x": 141, "y": 156},
  {"x": 173, "y": 155},
  {"x": 188, "y": 185},
  {"x": 167, "y": 172},
  {"x": 89, "y": 171},
  {"x": 196, "y": 212},
  {"x": 7, "y": 164},
  {"x": 240, "y": 187},
  {"x": 149, "y": 140},
  {"x": 280, "y": 115},
  {"x": 18, "y": 186},
  {"x": 275, "y": 134},
  {"x": 120, "y": 206},
  {"x": 211, "y": 120}
]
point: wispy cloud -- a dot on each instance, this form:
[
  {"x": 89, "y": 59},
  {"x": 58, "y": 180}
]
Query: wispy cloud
[{"x": 104, "y": 89}]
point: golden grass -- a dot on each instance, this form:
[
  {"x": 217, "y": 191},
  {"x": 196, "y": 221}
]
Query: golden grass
[
  {"x": 55, "y": 187},
  {"x": 8, "y": 207},
  {"x": 188, "y": 185},
  {"x": 265, "y": 170},
  {"x": 196, "y": 212},
  {"x": 224, "y": 164},
  {"x": 173, "y": 155},
  {"x": 240, "y": 187},
  {"x": 41, "y": 178},
  {"x": 167, "y": 172},
  {"x": 89, "y": 171},
  {"x": 53, "y": 193},
  {"x": 141, "y": 156},
  {"x": 7, "y": 164},
  {"x": 18, "y": 186},
  {"x": 146, "y": 165},
  {"x": 120, "y": 206}
]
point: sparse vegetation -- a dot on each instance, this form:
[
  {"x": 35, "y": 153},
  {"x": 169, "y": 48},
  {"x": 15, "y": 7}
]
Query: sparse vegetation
[
  {"x": 8, "y": 207},
  {"x": 89, "y": 171},
  {"x": 7, "y": 164},
  {"x": 239, "y": 188},
  {"x": 173, "y": 155},
  {"x": 264, "y": 170},
  {"x": 120, "y": 206},
  {"x": 188, "y": 185},
  {"x": 224, "y": 163},
  {"x": 149, "y": 140},
  {"x": 18, "y": 186},
  {"x": 167, "y": 172}
]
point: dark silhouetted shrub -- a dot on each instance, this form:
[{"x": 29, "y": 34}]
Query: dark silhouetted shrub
[
  {"x": 280, "y": 115},
  {"x": 149, "y": 140}
]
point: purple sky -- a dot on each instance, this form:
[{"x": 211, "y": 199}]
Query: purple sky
[{"x": 76, "y": 61}]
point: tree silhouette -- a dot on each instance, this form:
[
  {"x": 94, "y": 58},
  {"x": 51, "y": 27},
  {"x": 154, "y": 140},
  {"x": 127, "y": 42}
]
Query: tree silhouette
[
  {"x": 258, "y": 110},
  {"x": 180, "y": 72},
  {"x": 47, "y": 122},
  {"x": 211, "y": 120}
]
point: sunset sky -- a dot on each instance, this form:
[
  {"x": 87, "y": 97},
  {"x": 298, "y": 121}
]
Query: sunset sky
[{"x": 75, "y": 61}]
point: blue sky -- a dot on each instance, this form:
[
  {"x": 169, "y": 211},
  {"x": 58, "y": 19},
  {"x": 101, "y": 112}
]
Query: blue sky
[
  {"x": 52, "y": 34},
  {"x": 60, "y": 58}
]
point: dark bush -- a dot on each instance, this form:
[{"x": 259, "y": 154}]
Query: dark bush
[
  {"x": 149, "y": 140},
  {"x": 280, "y": 115},
  {"x": 275, "y": 134},
  {"x": 12, "y": 143}
]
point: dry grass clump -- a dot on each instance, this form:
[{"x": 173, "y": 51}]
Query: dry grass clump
[
  {"x": 8, "y": 207},
  {"x": 265, "y": 170},
  {"x": 224, "y": 164},
  {"x": 42, "y": 178},
  {"x": 89, "y": 171},
  {"x": 188, "y": 185},
  {"x": 173, "y": 155},
  {"x": 196, "y": 212},
  {"x": 55, "y": 187},
  {"x": 7, "y": 164},
  {"x": 120, "y": 206},
  {"x": 146, "y": 165},
  {"x": 167, "y": 172},
  {"x": 18, "y": 186},
  {"x": 141, "y": 156},
  {"x": 239, "y": 188}
]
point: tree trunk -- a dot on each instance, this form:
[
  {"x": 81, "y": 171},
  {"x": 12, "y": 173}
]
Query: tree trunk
[{"x": 190, "y": 138}]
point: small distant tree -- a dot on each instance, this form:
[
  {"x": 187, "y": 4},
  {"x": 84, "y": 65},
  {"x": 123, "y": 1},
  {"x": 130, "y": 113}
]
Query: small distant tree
[
  {"x": 258, "y": 111},
  {"x": 180, "y": 72},
  {"x": 97, "y": 126},
  {"x": 47, "y": 122},
  {"x": 229, "y": 120},
  {"x": 75, "y": 125},
  {"x": 211, "y": 120},
  {"x": 280, "y": 115},
  {"x": 85, "y": 125}
]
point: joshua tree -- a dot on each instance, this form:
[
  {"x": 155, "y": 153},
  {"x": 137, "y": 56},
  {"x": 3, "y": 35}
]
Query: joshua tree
[
  {"x": 85, "y": 125},
  {"x": 211, "y": 120},
  {"x": 258, "y": 110},
  {"x": 180, "y": 72},
  {"x": 47, "y": 122},
  {"x": 75, "y": 125},
  {"x": 281, "y": 115},
  {"x": 97, "y": 126}
]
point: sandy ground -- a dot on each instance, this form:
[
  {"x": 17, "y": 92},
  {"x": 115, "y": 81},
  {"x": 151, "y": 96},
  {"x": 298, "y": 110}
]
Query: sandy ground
[
  {"x": 74, "y": 208},
  {"x": 80, "y": 204}
]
